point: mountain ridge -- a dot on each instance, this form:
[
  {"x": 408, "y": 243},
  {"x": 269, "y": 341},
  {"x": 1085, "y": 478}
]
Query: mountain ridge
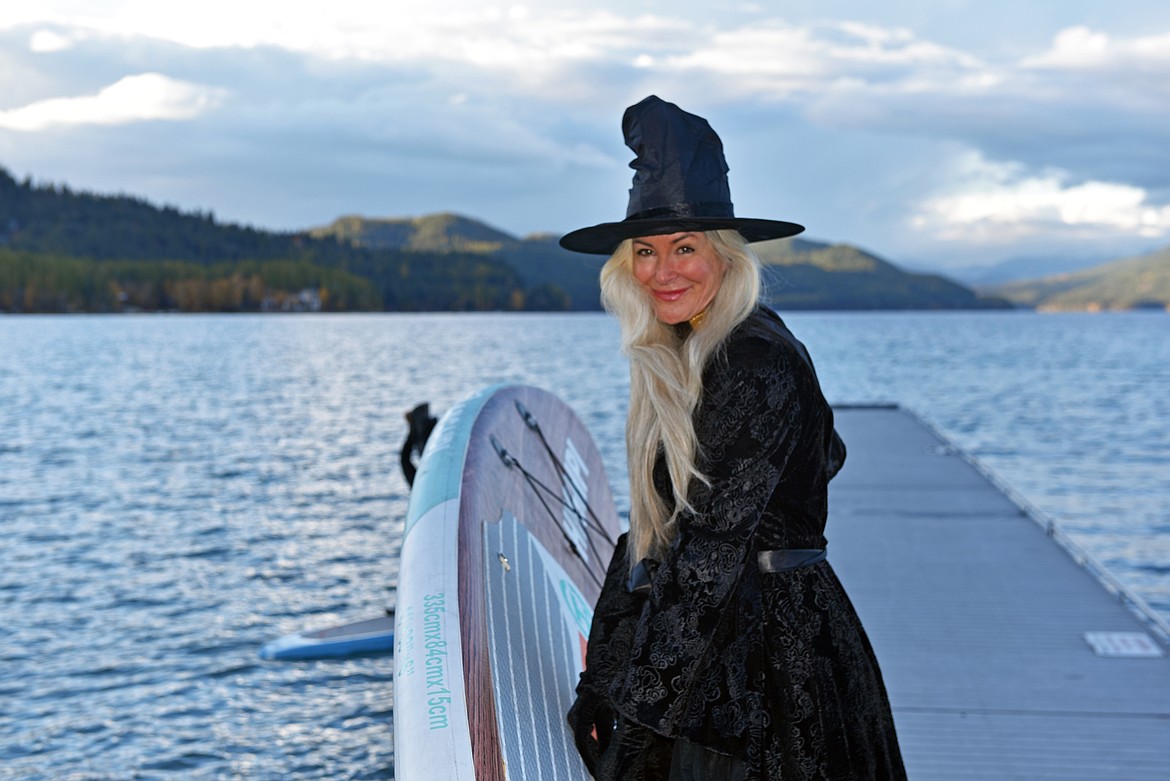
[
  {"x": 1139, "y": 282},
  {"x": 62, "y": 250},
  {"x": 66, "y": 251},
  {"x": 798, "y": 273}
]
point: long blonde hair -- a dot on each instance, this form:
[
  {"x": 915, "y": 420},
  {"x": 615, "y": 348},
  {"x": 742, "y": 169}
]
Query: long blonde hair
[{"x": 666, "y": 381}]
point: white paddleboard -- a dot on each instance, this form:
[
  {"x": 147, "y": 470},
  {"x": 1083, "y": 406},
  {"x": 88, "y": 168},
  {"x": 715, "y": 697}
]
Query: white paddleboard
[{"x": 509, "y": 531}]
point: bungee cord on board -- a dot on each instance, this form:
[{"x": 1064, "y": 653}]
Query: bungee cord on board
[
  {"x": 589, "y": 520},
  {"x": 532, "y": 423}
]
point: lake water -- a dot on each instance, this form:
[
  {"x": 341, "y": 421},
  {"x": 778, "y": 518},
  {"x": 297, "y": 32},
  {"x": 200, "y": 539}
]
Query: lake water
[{"x": 177, "y": 490}]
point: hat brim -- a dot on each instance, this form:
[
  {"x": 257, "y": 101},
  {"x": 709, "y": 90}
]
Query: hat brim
[{"x": 603, "y": 239}]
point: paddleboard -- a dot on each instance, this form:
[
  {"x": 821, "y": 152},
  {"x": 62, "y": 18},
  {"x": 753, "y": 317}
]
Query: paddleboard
[
  {"x": 510, "y": 528},
  {"x": 368, "y": 637}
]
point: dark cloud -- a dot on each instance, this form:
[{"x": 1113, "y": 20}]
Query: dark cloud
[{"x": 1092, "y": 128}]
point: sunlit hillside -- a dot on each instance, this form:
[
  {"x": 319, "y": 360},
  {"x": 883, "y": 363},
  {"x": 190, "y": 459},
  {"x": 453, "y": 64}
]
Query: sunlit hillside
[{"x": 1133, "y": 283}]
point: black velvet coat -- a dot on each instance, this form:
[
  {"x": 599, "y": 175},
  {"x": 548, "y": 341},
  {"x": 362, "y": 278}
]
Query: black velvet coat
[{"x": 775, "y": 668}]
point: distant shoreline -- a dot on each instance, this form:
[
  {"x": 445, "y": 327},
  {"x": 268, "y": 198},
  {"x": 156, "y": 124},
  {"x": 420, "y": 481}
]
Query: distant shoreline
[{"x": 781, "y": 310}]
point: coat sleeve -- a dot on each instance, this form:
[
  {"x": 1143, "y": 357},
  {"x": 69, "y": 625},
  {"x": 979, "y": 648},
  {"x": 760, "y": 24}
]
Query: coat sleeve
[
  {"x": 612, "y": 627},
  {"x": 750, "y": 424}
]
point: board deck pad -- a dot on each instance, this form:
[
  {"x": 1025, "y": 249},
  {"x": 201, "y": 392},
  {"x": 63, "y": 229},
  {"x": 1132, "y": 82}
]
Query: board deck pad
[
  {"x": 509, "y": 531},
  {"x": 538, "y": 623}
]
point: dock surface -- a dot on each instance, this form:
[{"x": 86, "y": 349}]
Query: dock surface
[{"x": 979, "y": 620}]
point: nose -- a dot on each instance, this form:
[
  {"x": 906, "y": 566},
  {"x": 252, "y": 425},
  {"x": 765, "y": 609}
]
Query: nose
[{"x": 664, "y": 269}]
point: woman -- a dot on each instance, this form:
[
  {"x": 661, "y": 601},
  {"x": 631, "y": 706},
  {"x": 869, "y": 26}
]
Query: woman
[{"x": 723, "y": 646}]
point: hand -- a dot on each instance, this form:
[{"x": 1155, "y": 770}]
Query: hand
[{"x": 591, "y": 719}]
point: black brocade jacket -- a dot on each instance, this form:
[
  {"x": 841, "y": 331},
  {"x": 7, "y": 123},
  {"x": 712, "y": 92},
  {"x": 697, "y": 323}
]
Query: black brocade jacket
[{"x": 694, "y": 658}]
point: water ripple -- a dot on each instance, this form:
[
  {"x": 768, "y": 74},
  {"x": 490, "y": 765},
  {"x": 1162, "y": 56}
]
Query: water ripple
[{"x": 175, "y": 491}]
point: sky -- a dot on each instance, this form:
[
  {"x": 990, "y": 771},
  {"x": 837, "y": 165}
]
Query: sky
[{"x": 939, "y": 134}]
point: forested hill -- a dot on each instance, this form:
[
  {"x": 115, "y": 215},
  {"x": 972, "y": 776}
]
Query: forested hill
[
  {"x": 55, "y": 220},
  {"x": 798, "y": 274},
  {"x": 63, "y": 251},
  {"x": 801, "y": 274},
  {"x": 1142, "y": 282},
  {"x": 539, "y": 260}
]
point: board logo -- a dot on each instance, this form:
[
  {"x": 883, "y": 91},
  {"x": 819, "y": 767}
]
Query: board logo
[
  {"x": 575, "y": 493},
  {"x": 576, "y": 606}
]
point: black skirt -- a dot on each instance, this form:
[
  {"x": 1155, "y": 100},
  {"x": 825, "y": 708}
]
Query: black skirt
[{"x": 639, "y": 754}]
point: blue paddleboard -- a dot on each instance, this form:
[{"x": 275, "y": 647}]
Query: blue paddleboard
[{"x": 369, "y": 637}]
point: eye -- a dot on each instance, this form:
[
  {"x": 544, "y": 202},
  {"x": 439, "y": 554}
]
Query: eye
[
  {"x": 643, "y": 252},
  {"x": 685, "y": 249}
]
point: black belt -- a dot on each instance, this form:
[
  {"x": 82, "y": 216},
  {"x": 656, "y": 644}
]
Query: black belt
[
  {"x": 769, "y": 561},
  {"x": 790, "y": 558}
]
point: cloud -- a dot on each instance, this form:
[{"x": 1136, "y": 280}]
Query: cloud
[
  {"x": 1092, "y": 106},
  {"x": 511, "y": 112},
  {"x": 147, "y": 96},
  {"x": 48, "y": 41},
  {"x": 513, "y": 38},
  {"x": 996, "y": 202},
  {"x": 563, "y": 55},
  {"x": 797, "y": 61},
  {"x": 1082, "y": 48}
]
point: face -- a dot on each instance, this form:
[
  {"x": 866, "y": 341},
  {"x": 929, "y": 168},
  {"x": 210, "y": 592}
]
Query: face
[{"x": 681, "y": 272}]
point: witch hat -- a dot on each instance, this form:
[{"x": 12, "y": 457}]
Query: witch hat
[{"x": 680, "y": 183}]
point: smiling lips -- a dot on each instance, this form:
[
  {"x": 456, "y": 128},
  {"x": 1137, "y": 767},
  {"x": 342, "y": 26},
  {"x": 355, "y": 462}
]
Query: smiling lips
[{"x": 670, "y": 295}]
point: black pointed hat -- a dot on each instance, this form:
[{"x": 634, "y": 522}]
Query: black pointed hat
[{"x": 680, "y": 183}]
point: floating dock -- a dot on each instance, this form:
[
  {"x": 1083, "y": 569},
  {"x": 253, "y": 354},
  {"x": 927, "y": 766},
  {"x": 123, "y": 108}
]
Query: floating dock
[{"x": 1008, "y": 654}]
